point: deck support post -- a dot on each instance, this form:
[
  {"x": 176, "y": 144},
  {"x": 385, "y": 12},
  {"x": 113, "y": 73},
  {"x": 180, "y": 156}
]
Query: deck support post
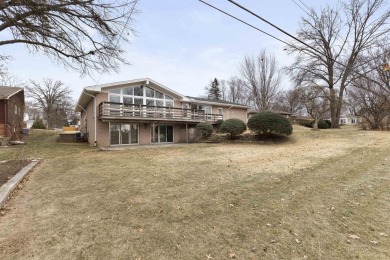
[
  {"x": 153, "y": 126},
  {"x": 187, "y": 133}
]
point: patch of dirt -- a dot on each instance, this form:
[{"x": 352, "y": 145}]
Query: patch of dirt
[{"x": 9, "y": 169}]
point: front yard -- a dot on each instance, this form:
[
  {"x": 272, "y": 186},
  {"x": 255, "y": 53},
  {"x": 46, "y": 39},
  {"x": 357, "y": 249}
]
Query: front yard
[{"x": 322, "y": 195}]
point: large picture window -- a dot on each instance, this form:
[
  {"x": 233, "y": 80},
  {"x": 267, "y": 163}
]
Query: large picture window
[
  {"x": 140, "y": 95},
  {"x": 162, "y": 134},
  {"x": 123, "y": 134}
]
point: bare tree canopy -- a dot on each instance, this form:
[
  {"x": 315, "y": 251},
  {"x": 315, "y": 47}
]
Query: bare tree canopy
[
  {"x": 315, "y": 100},
  {"x": 339, "y": 35},
  {"x": 237, "y": 92},
  {"x": 85, "y": 35},
  {"x": 262, "y": 77},
  {"x": 371, "y": 72},
  {"x": 370, "y": 97},
  {"x": 373, "y": 106},
  {"x": 53, "y": 98},
  {"x": 6, "y": 79},
  {"x": 289, "y": 100}
]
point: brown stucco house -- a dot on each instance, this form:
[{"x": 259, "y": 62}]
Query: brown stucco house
[
  {"x": 143, "y": 111},
  {"x": 11, "y": 112}
]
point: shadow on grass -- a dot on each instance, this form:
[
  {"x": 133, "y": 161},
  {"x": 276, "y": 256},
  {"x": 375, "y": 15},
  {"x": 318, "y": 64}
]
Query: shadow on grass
[
  {"x": 273, "y": 138},
  {"x": 261, "y": 139}
]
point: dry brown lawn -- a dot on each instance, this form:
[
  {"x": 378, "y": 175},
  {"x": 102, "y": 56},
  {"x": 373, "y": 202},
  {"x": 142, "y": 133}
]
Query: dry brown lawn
[{"x": 321, "y": 195}]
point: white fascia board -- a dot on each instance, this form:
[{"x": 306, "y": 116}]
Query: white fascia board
[
  {"x": 217, "y": 103},
  {"x": 145, "y": 81}
]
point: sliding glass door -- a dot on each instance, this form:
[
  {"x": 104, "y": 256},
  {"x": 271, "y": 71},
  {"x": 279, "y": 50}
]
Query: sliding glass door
[
  {"x": 123, "y": 134},
  {"x": 162, "y": 134}
]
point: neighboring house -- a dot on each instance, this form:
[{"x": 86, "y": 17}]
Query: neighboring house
[
  {"x": 143, "y": 111},
  {"x": 350, "y": 119},
  {"x": 11, "y": 112},
  {"x": 27, "y": 121}
]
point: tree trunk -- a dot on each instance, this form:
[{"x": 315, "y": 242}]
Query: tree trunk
[
  {"x": 315, "y": 125},
  {"x": 333, "y": 109}
]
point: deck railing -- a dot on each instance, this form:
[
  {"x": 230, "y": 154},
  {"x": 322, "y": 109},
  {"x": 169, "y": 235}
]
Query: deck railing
[{"x": 112, "y": 110}]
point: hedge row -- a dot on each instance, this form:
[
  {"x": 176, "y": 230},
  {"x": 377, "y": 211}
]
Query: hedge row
[{"x": 263, "y": 123}]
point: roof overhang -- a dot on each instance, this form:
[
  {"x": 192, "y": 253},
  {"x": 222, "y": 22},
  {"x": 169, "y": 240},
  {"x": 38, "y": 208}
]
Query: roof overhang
[
  {"x": 85, "y": 97},
  {"x": 12, "y": 90},
  {"x": 231, "y": 105}
]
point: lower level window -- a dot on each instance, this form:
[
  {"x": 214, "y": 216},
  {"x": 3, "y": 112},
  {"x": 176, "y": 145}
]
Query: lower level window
[
  {"x": 121, "y": 134},
  {"x": 162, "y": 134}
]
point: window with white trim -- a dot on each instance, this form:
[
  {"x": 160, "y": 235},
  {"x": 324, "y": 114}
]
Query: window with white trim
[{"x": 140, "y": 95}]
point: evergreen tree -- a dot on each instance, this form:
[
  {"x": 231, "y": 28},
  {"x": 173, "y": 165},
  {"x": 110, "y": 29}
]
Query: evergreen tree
[{"x": 214, "y": 92}]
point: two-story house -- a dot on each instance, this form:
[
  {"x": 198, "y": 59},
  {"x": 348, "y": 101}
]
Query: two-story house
[{"x": 143, "y": 111}]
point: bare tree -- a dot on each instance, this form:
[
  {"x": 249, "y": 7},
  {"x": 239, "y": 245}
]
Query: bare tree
[
  {"x": 373, "y": 106},
  {"x": 223, "y": 89},
  {"x": 289, "y": 100},
  {"x": 339, "y": 35},
  {"x": 315, "y": 100},
  {"x": 370, "y": 96},
  {"x": 237, "y": 92},
  {"x": 53, "y": 98},
  {"x": 6, "y": 79},
  {"x": 83, "y": 35},
  {"x": 262, "y": 77}
]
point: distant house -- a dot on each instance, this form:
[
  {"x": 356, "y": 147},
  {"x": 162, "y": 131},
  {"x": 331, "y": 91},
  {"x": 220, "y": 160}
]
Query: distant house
[
  {"x": 27, "y": 121},
  {"x": 11, "y": 112},
  {"x": 350, "y": 119},
  {"x": 143, "y": 111}
]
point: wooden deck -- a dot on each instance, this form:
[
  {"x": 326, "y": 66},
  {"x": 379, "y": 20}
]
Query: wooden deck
[{"x": 109, "y": 111}]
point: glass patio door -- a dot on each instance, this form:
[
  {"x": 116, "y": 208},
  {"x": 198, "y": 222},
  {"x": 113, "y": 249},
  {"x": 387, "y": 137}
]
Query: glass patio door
[
  {"x": 123, "y": 134},
  {"x": 162, "y": 134},
  {"x": 115, "y": 134}
]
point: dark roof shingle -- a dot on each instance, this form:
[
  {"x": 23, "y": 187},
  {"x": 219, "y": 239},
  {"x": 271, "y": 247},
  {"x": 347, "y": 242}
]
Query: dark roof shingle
[{"x": 6, "y": 92}]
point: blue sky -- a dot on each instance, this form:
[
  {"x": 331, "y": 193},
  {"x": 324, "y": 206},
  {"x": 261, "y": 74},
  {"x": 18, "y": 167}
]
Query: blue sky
[{"x": 182, "y": 44}]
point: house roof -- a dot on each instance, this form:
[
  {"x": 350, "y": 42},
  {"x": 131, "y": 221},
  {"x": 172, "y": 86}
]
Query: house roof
[
  {"x": 85, "y": 96},
  {"x": 214, "y": 102},
  {"x": 7, "y": 92},
  {"x": 88, "y": 92}
]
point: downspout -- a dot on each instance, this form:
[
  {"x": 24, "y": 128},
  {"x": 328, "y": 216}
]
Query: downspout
[{"x": 94, "y": 114}]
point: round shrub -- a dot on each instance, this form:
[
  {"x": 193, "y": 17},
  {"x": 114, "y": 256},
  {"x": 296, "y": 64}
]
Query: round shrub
[
  {"x": 38, "y": 124},
  {"x": 205, "y": 129},
  {"x": 233, "y": 126},
  {"x": 322, "y": 124},
  {"x": 268, "y": 123}
]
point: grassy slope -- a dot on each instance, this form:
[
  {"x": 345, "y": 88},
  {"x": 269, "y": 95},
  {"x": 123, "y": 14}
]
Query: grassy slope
[
  {"x": 285, "y": 201},
  {"x": 41, "y": 144}
]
